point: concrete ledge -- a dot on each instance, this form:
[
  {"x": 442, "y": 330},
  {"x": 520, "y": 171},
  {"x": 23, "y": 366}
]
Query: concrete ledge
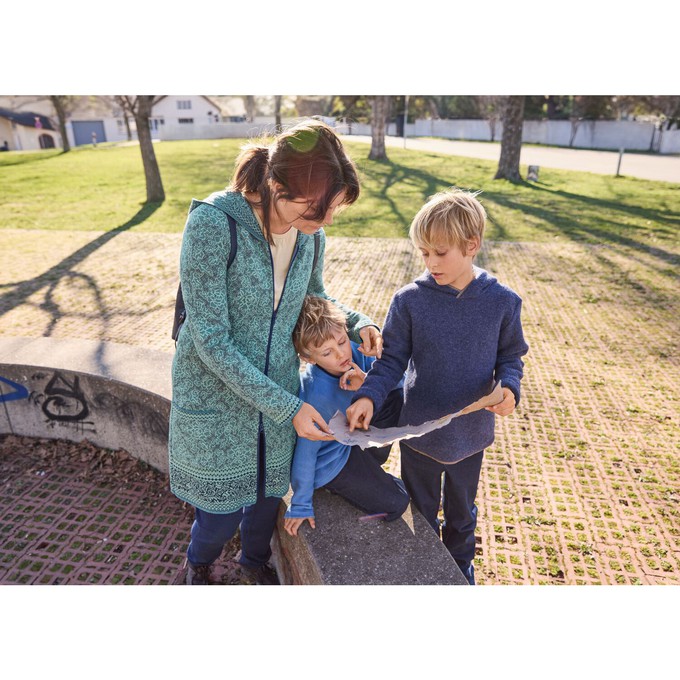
[
  {"x": 116, "y": 396},
  {"x": 343, "y": 550}
]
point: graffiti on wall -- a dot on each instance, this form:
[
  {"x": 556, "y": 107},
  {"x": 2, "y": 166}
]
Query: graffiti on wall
[
  {"x": 18, "y": 391},
  {"x": 63, "y": 402}
]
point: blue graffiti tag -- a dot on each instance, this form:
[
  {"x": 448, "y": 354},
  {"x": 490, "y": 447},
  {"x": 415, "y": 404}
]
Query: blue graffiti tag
[{"x": 20, "y": 392}]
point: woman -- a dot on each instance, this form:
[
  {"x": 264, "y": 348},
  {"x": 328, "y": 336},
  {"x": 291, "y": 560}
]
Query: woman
[{"x": 235, "y": 413}]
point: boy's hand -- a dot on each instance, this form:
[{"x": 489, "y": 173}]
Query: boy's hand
[
  {"x": 371, "y": 342},
  {"x": 359, "y": 414},
  {"x": 292, "y": 524},
  {"x": 507, "y": 406},
  {"x": 305, "y": 423},
  {"x": 352, "y": 379}
]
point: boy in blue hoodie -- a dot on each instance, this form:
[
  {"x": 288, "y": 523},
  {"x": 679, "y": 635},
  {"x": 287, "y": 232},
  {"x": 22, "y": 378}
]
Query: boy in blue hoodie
[
  {"x": 335, "y": 369},
  {"x": 455, "y": 330}
]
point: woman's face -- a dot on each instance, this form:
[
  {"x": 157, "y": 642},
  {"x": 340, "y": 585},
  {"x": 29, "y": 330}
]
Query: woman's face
[{"x": 291, "y": 213}]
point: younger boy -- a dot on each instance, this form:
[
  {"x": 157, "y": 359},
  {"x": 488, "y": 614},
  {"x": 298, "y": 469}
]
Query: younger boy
[
  {"x": 456, "y": 330},
  {"x": 335, "y": 368}
]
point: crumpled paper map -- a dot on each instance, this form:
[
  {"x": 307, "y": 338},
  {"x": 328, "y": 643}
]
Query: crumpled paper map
[{"x": 381, "y": 437}]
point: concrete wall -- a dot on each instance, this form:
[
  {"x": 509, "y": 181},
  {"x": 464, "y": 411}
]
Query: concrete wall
[{"x": 115, "y": 396}]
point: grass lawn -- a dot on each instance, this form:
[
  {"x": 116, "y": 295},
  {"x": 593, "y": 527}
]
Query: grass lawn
[{"x": 103, "y": 189}]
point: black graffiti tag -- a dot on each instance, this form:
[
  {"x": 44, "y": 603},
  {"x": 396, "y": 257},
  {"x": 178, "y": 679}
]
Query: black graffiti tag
[{"x": 65, "y": 400}]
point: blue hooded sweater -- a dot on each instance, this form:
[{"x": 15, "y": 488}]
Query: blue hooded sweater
[{"x": 453, "y": 345}]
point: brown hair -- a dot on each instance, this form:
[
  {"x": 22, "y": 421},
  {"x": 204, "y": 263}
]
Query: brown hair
[
  {"x": 318, "y": 320},
  {"x": 307, "y": 161},
  {"x": 453, "y": 216}
]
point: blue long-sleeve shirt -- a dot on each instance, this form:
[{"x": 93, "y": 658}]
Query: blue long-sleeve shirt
[
  {"x": 316, "y": 463},
  {"x": 453, "y": 346}
]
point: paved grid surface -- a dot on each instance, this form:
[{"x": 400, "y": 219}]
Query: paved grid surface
[{"x": 582, "y": 483}]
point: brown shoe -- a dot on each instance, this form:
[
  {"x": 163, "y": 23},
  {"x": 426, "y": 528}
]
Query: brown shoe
[
  {"x": 200, "y": 575},
  {"x": 264, "y": 575}
]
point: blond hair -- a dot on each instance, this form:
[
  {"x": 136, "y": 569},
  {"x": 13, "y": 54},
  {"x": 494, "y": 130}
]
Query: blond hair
[
  {"x": 453, "y": 217},
  {"x": 318, "y": 321}
]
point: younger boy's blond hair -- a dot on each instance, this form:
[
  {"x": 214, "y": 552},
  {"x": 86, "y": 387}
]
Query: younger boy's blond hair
[
  {"x": 453, "y": 217},
  {"x": 319, "y": 320}
]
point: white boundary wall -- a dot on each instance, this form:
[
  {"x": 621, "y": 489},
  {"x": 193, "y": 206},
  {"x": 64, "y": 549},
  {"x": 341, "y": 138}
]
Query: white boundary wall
[{"x": 602, "y": 134}]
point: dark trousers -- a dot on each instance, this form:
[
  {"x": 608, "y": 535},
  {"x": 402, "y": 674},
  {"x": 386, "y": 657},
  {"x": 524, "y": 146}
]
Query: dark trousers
[
  {"x": 423, "y": 480},
  {"x": 211, "y": 531},
  {"x": 388, "y": 416},
  {"x": 364, "y": 483}
]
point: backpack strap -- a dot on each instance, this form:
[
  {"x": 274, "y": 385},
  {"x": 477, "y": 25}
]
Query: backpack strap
[
  {"x": 180, "y": 310},
  {"x": 317, "y": 241}
]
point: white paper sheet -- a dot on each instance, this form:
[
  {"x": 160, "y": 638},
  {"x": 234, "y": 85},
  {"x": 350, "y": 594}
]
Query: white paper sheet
[{"x": 381, "y": 437}]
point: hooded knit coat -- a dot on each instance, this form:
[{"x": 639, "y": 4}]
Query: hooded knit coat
[
  {"x": 453, "y": 345},
  {"x": 235, "y": 371}
]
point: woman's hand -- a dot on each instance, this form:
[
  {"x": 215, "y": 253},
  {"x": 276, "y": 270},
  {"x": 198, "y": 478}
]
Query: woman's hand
[
  {"x": 306, "y": 421},
  {"x": 507, "y": 406},
  {"x": 371, "y": 342},
  {"x": 292, "y": 524},
  {"x": 359, "y": 414},
  {"x": 352, "y": 379}
]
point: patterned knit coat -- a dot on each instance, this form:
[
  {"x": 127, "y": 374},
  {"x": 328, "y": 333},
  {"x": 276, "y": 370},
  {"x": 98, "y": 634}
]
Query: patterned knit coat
[{"x": 235, "y": 370}]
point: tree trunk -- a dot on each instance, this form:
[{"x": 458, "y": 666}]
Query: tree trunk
[
  {"x": 249, "y": 101},
  {"x": 61, "y": 116},
  {"x": 511, "y": 141},
  {"x": 277, "y": 111},
  {"x": 154, "y": 185},
  {"x": 379, "y": 115},
  {"x": 126, "y": 118}
]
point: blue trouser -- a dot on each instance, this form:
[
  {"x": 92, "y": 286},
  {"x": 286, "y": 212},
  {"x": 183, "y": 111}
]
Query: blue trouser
[
  {"x": 423, "y": 479},
  {"x": 210, "y": 531}
]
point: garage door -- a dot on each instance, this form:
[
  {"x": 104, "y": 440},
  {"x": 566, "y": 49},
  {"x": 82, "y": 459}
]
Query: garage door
[{"x": 83, "y": 129}]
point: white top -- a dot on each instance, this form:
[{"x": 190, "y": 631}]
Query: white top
[{"x": 282, "y": 252}]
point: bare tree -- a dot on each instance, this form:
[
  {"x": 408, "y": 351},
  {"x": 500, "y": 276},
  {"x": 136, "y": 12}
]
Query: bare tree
[
  {"x": 379, "y": 106},
  {"x": 250, "y": 105},
  {"x": 63, "y": 106},
  {"x": 491, "y": 107},
  {"x": 277, "y": 111},
  {"x": 140, "y": 107},
  {"x": 511, "y": 142}
]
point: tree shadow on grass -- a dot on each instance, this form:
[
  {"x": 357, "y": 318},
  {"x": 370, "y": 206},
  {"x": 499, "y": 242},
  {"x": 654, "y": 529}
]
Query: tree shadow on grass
[
  {"x": 20, "y": 291},
  {"x": 389, "y": 173},
  {"x": 583, "y": 231}
]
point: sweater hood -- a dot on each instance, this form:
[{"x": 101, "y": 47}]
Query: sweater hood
[{"x": 476, "y": 287}]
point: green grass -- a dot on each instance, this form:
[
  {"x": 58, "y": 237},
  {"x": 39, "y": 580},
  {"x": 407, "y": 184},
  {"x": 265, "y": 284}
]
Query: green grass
[{"x": 103, "y": 189}]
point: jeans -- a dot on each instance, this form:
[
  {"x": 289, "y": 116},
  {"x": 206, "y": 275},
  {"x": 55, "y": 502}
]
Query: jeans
[
  {"x": 423, "y": 480},
  {"x": 211, "y": 531}
]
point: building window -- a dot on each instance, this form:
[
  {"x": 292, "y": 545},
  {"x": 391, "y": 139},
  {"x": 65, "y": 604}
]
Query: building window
[
  {"x": 184, "y": 104},
  {"x": 185, "y": 120}
]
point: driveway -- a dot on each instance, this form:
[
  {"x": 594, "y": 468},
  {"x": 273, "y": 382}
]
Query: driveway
[{"x": 644, "y": 166}]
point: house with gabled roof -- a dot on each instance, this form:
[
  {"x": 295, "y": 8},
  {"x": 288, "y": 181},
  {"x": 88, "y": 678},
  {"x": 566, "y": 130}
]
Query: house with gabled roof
[{"x": 26, "y": 131}]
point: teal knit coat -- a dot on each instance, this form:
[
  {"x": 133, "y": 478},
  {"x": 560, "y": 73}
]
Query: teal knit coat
[{"x": 235, "y": 370}]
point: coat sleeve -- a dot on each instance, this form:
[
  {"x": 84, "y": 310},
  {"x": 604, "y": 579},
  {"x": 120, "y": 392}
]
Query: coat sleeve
[
  {"x": 511, "y": 348},
  {"x": 387, "y": 372},
  {"x": 355, "y": 320},
  {"x": 203, "y": 274}
]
